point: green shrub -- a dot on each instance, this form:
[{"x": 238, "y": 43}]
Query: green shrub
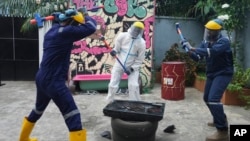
[{"x": 176, "y": 54}]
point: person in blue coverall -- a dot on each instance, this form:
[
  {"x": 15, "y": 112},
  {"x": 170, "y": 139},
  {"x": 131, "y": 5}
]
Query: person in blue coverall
[
  {"x": 53, "y": 73},
  {"x": 216, "y": 49}
]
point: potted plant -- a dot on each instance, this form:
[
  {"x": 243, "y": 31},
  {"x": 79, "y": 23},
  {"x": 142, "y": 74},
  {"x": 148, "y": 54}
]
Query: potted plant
[
  {"x": 238, "y": 91},
  {"x": 200, "y": 80},
  {"x": 200, "y": 76}
]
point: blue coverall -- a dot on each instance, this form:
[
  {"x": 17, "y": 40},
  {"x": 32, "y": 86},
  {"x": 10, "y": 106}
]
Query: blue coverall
[
  {"x": 219, "y": 72},
  {"x": 53, "y": 72}
]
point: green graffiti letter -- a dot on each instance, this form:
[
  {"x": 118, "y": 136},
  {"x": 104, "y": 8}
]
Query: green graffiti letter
[
  {"x": 134, "y": 9},
  {"x": 110, "y": 7}
]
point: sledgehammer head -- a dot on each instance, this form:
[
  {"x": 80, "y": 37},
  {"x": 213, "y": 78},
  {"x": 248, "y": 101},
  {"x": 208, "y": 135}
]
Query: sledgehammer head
[
  {"x": 39, "y": 20},
  {"x": 177, "y": 26}
]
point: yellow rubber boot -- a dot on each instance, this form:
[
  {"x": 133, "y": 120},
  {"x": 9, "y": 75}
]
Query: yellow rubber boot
[
  {"x": 26, "y": 130},
  {"x": 78, "y": 135}
]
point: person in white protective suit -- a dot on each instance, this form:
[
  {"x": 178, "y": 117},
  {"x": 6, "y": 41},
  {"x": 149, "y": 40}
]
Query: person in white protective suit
[{"x": 130, "y": 49}]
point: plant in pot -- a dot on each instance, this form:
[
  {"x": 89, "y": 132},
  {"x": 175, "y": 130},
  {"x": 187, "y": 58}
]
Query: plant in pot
[
  {"x": 200, "y": 76},
  {"x": 176, "y": 54},
  {"x": 245, "y": 95},
  {"x": 239, "y": 87}
]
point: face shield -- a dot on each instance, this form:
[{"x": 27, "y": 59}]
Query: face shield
[
  {"x": 211, "y": 35},
  {"x": 136, "y": 30},
  {"x": 213, "y": 30}
]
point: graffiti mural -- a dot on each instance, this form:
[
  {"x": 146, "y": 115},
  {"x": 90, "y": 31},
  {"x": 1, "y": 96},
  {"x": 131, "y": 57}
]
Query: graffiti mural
[{"x": 91, "y": 56}]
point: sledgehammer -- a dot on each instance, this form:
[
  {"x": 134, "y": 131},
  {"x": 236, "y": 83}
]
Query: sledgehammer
[
  {"x": 102, "y": 38},
  {"x": 39, "y": 20}
]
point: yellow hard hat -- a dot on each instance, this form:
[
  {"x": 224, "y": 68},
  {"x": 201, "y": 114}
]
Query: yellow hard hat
[
  {"x": 215, "y": 24},
  {"x": 79, "y": 17},
  {"x": 136, "y": 29},
  {"x": 139, "y": 25}
]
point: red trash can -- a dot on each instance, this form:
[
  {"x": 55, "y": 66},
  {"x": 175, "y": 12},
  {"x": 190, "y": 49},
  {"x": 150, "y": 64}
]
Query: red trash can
[{"x": 173, "y": 80}]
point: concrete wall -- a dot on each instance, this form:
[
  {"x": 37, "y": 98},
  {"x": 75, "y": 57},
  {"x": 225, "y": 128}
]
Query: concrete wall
[{"x": 165, "y": 34}]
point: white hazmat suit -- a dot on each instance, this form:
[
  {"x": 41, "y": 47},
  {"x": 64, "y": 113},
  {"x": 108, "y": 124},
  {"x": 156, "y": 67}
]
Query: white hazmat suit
[{"x": 130, "y": 49}]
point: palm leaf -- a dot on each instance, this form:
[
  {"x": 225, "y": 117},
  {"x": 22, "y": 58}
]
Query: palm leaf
[{"x": 27, "y": 9}]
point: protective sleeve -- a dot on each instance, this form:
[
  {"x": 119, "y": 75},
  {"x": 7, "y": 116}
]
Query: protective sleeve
[
  {"x": 118, "y": 42},
  {"x": 216, "y": 49},
  {"x": 222, "y": 45},
  {"x": 81, "y": 31},
  {"x": 141, "y": 55},
  {"x": 195, "y": 56},
  {"x": 201, "y": 50}
]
